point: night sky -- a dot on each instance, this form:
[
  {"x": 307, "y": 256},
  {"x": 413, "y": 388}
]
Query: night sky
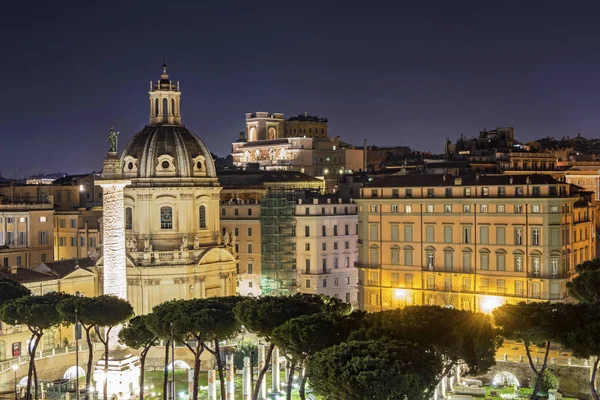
[{"x": 393, "y": 72}]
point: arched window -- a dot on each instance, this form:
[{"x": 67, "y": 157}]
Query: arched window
[
  {"x": 430, "y": 257},
  {"x": 165, "y": 110},
  {"x": 466, "y": 267},
  {"x": 166, "y": 217},
  {"x": 408, "y": 255},
  {"x": 448, "y": 259},
  {"x": 2, "y": 350},
  {"x": 395, "y": 255},
  {"x": 374, "y": 255},
  {"x": 202, "y": 217},
  {"x": 156, "y": 107},
  {"x": 484, "y": 259},
  {"x": 128, "y": 218}
]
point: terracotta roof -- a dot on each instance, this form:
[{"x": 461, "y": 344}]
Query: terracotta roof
[
  {"x": 25, "y": 275},
  {"x": 62, "y": 268}
]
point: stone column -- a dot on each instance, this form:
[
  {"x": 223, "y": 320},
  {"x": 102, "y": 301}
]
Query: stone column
[
  {"x": 275, "y": 371},
  {"x": 246, "y": 383},
  {"x": 113, "y": 245},
  {"x": 287, "y": 374},
  {"x": 262, "y": 394},
  {"x": 223, "y": 284},
  {"x": 592, "y": 361},
  {"x": 212, "y": 387},
  {"x": 443, "y": 387},
  {"x": 202, "y": 287},
  {"x": 458, "y": 382},
  {"x": 230, "y": 378}
]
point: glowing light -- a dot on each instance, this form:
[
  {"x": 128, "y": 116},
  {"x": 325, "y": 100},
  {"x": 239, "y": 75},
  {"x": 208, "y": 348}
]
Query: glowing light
[
  {"x": 489, "y": 303},
  {"x": 113, "y": 246},
  {"x": 81, "y": 188},
  {"x": 326, "y": 171},
  {"x": 15, "y": 367},
  {"x": 400, "y": 293}
]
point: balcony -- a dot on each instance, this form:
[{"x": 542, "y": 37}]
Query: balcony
[{"x": 372, "y": 283}]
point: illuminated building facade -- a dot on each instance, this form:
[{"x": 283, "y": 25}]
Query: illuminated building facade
[{"x": 472, "y": 242}]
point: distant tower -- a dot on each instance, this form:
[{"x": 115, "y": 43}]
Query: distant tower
[{"x": 165, "y": 100}]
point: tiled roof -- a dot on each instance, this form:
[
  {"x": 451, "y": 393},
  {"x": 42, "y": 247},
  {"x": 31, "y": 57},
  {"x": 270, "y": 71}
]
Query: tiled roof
[{"x": 62, "y": 268}]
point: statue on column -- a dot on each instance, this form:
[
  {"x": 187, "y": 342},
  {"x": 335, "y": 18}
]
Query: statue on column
[
  {"x": 196, "y": 242},
  {"x": 184, "y": 243},
  {"x": 233, "y": 241},
  {"x": 132, "y": 244},
  {"x": 112, "y": 139}
]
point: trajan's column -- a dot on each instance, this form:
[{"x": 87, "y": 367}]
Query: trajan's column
[{"x": 122, "y": 377}]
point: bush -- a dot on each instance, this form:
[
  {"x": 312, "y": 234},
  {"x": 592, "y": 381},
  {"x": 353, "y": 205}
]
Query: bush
[{"x": 549, "y": 381}]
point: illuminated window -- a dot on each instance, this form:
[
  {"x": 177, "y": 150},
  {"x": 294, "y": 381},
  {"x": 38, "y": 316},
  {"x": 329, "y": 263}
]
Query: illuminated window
[
  {"x": 42, "y": 219},
  {"x": 166, "y": 217}
]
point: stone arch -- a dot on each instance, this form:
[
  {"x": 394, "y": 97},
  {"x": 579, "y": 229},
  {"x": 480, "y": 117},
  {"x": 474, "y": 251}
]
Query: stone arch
[
  {"x": 215, "y": 255},
  {"x": 71, "y": 373},
  {"x": 506, "y": 378},
  {"x": 179, "y": 364}
]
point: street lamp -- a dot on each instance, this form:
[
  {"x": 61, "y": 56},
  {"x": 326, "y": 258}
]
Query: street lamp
[{"x": 15, "y": 367}]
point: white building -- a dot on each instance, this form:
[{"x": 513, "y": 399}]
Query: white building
[{"x": 327, "y": 247}]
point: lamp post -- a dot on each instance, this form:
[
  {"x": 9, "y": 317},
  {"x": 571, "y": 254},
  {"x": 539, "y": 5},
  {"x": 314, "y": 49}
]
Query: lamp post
[
  {"x": 15, "y": 367},
  {"x": 77, "y": 355}
]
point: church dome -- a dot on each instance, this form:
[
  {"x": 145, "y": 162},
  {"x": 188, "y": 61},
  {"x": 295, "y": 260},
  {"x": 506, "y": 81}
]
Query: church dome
[{"x": 167, "y": 150}]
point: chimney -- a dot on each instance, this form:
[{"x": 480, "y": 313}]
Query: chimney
[{"x": 14, "y": 269}]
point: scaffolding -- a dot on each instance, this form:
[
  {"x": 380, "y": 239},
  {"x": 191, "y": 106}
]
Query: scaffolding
[{"x": 278, "y": 243}]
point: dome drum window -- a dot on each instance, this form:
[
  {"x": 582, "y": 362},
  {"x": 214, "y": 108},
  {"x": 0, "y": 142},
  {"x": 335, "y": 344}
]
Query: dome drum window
[
  {"x": 130, "y": 165},
  {"x": 165, "y": 165},
  {"x": 199, "y": 166}
]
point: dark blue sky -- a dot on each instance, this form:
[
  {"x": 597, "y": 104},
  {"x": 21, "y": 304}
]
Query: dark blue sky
[{"x": 390, "y": 71}]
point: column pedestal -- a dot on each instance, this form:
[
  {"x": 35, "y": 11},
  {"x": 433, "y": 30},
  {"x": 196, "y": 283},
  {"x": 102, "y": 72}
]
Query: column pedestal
[
  {"x": 122, "y": 378},
  {"x": 275, "y": 371},
  {"x": 262, "y": 394}
]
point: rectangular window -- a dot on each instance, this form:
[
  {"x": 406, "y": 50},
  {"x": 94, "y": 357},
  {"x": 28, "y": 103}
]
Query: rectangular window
[
  {"x": 335, "y": 263},
  {"x": 430, "y": 192},
  {"x": 394, "y": 208},
  {"x": 335, "y": 231},
  {"x": 73, "y": 223},
  {"x": 429, "y": 233},
  {"x": 373, "y": 208},
  {"x": 236, "y": 212},
  {"x": 324, "y": 246},
  {"x": 22, "y": 239},
  {"x": 5, "y": 262},
  {"x": 43, "y": 238},
  {"x": 467, "y": 192},
  {"x": 536, "y": 191},
  {"x": 395, "y": 193},
  {"x": 483, "y": 208},
  {"x": 223, "y": 212},
  {"x": 395, "y": 233},
  {"x": 554, "y": 210},
  {"x": 448, "y": 261},
  {"x": 335, "y": 282},
  {"x": 408, "y": 257},
  {"x": 501, "y": 285},
  {"x": 429, "y": 208},
  {"x": 447, "y": 208},
  {"x": 485, "y": 191},
  {"x": 307, "y": 266},
  {"x": 484, "y": 261},
  {"x": 374, "y": 232},
  {"x": 323, "y": 230},
  {"x": 62, "y": 223},
  {"x": 519, "y": 191},
  {"x": 308, "y": 283},
  {"x": 249, "y": 212},
  {"x": 500, "y": 262},
  {"x": 347, "y": 262},
  {"x": 18, "y": 261},
  {"x": 237, "y": 232},
  {"x": 501, "y": 191},
  {"x": 73, "y": 242},
  {"x": 519, "y": 236},
  {"x": 447, "y": 234},
  {"x": 250, "y": 267},
  {"x": 518, "y": 209},
  {"x": 335, "y": 245},
  {"x": 519, "y": 288},
  {"x": 395, "y": 280},
  {"x": 346, "y": 245},
  {"x": 307, "y": 231},
  {"x": 408, "y": 233},
  {"x": 535, "y": 237},
  {"x": 466, "y": 234},
  {"x": 93, "y": 242},
  {"x": 249, "y": 247},
  {"x": 466, "y": 208},
  {"x": 249, "y": 231},
  {"x": 408, "y": 280},
  {"x": 448, "y": 192},
  {"x": 484, "y": 234},
  {"x": 307, "y": 211},
  {"x": 535, "y": 208},
  {"x": 554, "y": 237},
  {"x": 81, "y": 241},
  {"x": 409, "y": 193},
  {"x": 467, "y": 261},
  {"x": 42, "y": 219},
  {"x": 535, "y": 265},
  {"x": 307, "y": 246},
  {"x": 324, "y": 265},
  {"x": 500, "y": 209},
  {"x": 484, "y": 284},
  {"x": 500, "y": 235},
  {"x": 346, "y": 229},
  {"x": 408, "y": 208},
  {"x": 395, "y": 255},
  {"x": 347, "y": 297}
]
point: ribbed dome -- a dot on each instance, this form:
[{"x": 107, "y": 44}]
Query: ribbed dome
[{"x": 167, "y": 150}]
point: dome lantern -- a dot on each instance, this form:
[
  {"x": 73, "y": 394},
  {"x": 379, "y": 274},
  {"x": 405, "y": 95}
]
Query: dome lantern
[{"x": 165, "y": 100}]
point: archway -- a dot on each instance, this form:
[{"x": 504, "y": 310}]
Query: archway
[
  {"x": 179, "y": 364},
  {"x": 71, "y": 373},
  {"x": 505, "y": 378}
]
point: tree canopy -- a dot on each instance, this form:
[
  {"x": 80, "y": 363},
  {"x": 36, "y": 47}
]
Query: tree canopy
[
  {"x": 456, "y": 335},
  {"x": 11, "y": 290},
  {"x": 585, "y": 287},
  {"x": 136, "y": 334},
  {"x": 378, "y": 370},
  {"x": 37, "y": 312}
]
